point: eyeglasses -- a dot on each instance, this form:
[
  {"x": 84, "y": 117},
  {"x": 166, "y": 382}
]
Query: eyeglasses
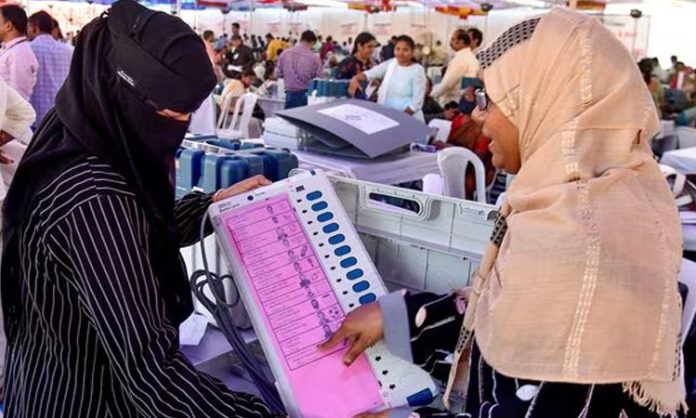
[{"x": 482, "y": 100}]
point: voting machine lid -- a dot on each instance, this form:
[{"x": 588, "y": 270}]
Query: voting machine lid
[{"x": 357, "y": 127}]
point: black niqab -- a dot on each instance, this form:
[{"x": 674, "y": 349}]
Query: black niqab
[{"x": 127, "y": 65}]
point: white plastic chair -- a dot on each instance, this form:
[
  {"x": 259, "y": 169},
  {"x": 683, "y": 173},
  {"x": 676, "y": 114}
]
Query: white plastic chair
[
  {"x": 687, "y": 137},
  {"x": 453, "y": 163},
  {"x": 443, "y": 127},
  {"x": 238, "y": 128},
  {"x": 687, "y": 276}
]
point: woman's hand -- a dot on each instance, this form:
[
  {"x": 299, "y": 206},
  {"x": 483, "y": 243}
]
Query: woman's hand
[
  {"x": 408, "y": 111},
  {"x": 241, "y": 187},
  {"x": 354, "y": 86},
  {"x": 362, "y": 328}
]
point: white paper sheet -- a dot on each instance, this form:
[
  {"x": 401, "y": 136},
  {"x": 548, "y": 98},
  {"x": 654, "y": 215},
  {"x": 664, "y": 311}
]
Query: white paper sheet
[
  {"x": 366, "y": 120},
  {"x": 192, "y": 330}
]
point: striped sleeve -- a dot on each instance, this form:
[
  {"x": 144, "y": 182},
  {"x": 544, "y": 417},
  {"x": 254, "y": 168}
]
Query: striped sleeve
[
  {"x": 428, "y": 323},
  {"x": 105, "y": 245},
  {"x": 188, "y": 212}
]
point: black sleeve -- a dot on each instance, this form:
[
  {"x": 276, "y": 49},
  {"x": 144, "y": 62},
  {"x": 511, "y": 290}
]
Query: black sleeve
[
  {"x": 107, "y": 252},
  {"x": 249, "y": 59},
  {"x": 423, "y": 328},
  {"x": 188, "y": 212}
]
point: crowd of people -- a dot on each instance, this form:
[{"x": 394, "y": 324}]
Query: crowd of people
[
  {"x": 673, "y": 89},
  {"x": 393, "y": 74},
  {"x": 574, "y": 311}
]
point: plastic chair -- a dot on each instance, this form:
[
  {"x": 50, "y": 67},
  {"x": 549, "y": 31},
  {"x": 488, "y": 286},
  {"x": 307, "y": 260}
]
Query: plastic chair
[
  {"x": 687, "y": 276},
  {"x": 238, "y": 128},
  {"x": 687, "y": 137},
  {"x": 453, "y": 163},
  {"x": 443, "y": 127}
]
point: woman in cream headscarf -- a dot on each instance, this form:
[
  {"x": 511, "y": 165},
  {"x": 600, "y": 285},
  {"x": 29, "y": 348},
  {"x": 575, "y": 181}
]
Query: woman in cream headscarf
[{"x": 574, "y": 311}]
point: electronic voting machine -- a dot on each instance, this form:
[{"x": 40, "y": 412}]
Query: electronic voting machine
[{"x": 300, "y": 267}]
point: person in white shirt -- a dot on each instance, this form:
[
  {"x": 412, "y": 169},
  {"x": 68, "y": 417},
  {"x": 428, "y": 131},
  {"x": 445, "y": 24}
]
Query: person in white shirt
[
  {"x": 18, "y": 64},
  {"x": 16, "y": 117},
  {"x": 463, "y": 65}
]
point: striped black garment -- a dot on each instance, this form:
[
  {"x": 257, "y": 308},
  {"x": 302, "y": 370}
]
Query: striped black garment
[
  {"x": 94, "y": 341},
  {"x": 434, "y": 325}
]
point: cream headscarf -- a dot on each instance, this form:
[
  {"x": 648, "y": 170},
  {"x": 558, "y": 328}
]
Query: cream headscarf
[{"x": 584, "y": 286}]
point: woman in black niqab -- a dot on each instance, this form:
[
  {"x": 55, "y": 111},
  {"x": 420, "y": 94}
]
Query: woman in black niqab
[
  {"x": 97, "y": 304},
  {"x": 126, "y": 67}
]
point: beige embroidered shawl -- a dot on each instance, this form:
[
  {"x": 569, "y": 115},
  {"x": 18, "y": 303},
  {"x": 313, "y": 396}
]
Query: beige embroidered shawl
[{"x": 584, "y": 286}]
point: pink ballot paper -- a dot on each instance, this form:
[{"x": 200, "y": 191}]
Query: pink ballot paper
[{"x": 299, "y": 310}]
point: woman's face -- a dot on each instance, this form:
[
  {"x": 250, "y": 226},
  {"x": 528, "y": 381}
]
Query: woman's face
[
  {"x": 366, "y": 50},
  {"x": 403, "y": 53},
  {"x": 504, "y": 138}
]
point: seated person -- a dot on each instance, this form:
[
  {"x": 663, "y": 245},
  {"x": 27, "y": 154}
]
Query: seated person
[
  {"x": 467, "y": 133},
  {"x": 237, "y": 88},
  {"x": 238, "y": 59},
  {"x": 433, "y": 110}
]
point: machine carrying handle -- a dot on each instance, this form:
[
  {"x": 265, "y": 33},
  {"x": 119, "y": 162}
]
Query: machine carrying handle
[{"x": 393, "y": 200}]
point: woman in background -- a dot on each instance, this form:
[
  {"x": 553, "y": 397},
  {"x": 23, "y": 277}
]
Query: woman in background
[
  {"x": 402, "y": 80},
  {"x": 361, "y": 58}
]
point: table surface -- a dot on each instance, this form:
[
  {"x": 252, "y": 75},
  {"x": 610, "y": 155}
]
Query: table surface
[{"x": 682, "y": 160}]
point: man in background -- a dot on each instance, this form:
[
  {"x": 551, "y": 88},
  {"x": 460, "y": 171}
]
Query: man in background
[
  {"x": 236, "y": 29},
  {"x": 274, "y": 46},
  {"x": 297, "y": 66},
  {"x": 209, "y": 40},
  {"x": 53, "y": 57},
  {"x": 238, "y": 59},
  {"x": 476, "y": 37},
  {"x": 18, "y": 64},
  {"x": 464, "y": 64}
]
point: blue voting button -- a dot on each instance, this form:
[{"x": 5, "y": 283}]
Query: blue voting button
[
  {"x": 349, "y": 262},
  {"x": 330, "y": 228},
  {"x": 361, "y": 286},
  {"x": 343, "y": 250},
  {"x": 326, "y": 216},
  {"x": 314, "y": 195},
  {"x": 337, "y": 239},
  {"x": 319, "y": 206},
  {"x": 354, "y": 274},
  {"x": 367, "y": 298}
]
